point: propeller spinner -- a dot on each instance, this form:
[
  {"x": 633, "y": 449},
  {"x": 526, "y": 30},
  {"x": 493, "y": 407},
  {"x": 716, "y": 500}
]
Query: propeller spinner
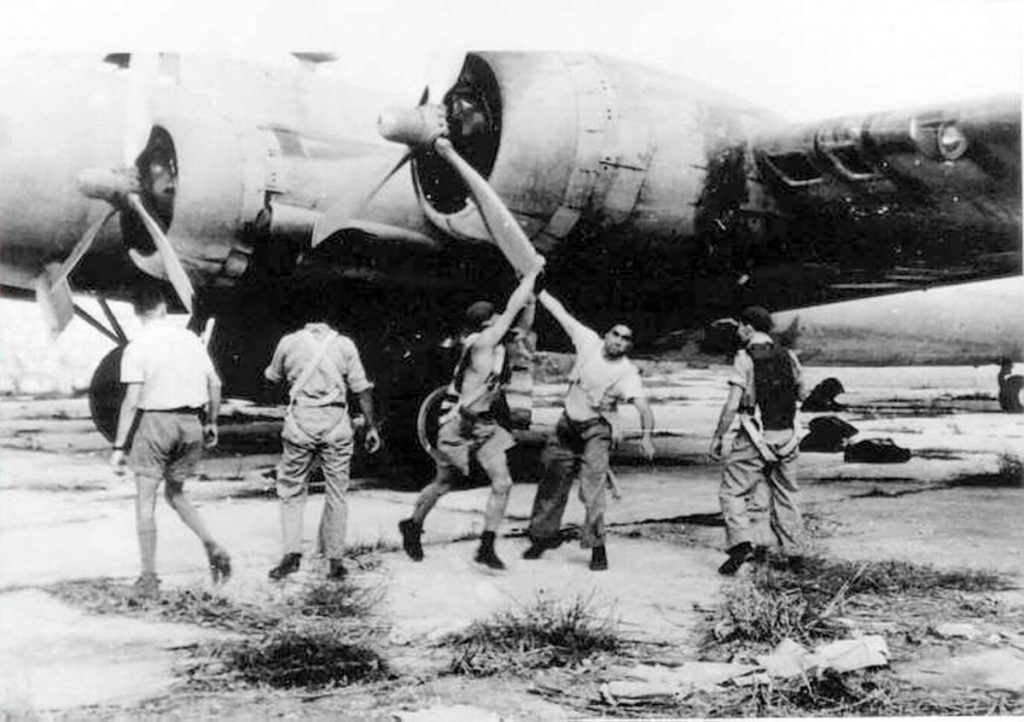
[{"x": 460, "y": 126}]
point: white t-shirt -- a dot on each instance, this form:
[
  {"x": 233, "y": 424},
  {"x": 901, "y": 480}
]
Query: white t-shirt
[
  {"x": 172, "y": 365},
  {"x": 596, "y": 383}
]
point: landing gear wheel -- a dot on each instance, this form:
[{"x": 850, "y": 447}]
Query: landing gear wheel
[
  {"x": 428, "y": 421},
  {"x": 1011, "y": 394},
  {"x": 106, "y": 393}
]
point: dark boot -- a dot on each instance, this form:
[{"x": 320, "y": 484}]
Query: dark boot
[
  {"x": 538, "y": 547},
  {"x": 737, "y": 555},
  {"x": 760, "y": 555},
  {"x": 337, "y": 571},
  {"x": 289, "y": 564},
  {"x": 411, "y": 532},
  {"x": 796, "y": 564},
  {"x": 485, "y": 554},
  {"x": 598, "y": 559}
]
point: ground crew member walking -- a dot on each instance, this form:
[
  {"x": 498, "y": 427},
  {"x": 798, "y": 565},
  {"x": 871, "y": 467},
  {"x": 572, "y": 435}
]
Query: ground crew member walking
[
  {"x": 320, "y": 366},
  {"x": 765, "y": 387},
  {"x": 601, "y": 377},
  {"x": 470, "y": 426},
  {"x": 168, "y": 414}
]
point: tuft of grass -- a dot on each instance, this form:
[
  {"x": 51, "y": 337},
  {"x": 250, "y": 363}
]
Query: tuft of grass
[
  {"x": 874, "y": 693},
  {"x": 774, "y": 605},
  {"x": 322, "y": 636},
  {"x": 309, "y": 656},
  {"x": 547, "y": 633}
]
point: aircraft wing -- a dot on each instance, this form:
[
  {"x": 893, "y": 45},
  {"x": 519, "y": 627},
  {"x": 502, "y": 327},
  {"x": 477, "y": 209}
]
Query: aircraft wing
[{"x": 891, "y": 201}]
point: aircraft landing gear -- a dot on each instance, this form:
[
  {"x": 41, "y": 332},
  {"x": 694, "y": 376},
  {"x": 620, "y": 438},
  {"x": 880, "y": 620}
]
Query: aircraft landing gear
[
  {"x": 106, "y": 393},
  {"x": 1011, "y": 389}
]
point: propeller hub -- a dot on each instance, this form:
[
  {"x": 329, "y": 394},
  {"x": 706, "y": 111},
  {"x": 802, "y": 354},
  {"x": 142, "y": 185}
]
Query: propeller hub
[
  {"x": 108, "y": 184},
  {"x": 416, "y": 127}
]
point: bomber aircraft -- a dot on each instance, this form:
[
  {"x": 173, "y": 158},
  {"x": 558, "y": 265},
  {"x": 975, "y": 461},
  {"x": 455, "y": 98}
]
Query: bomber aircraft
[{"x": 653, "y": 198}]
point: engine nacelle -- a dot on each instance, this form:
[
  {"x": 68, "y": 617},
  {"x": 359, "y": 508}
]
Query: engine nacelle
[{"x": 565, "y": 138}]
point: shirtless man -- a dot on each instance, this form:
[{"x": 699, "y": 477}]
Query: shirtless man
[{"x": 470, "y": 426}]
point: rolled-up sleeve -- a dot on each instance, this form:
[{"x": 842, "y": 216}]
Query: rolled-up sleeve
[
  {"x": 275, "y": 370},
  {"x": 355, "y": 374}
]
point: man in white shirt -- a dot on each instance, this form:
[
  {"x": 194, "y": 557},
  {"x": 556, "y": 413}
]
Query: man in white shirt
[
  {"x": 601, "y": 377},
  {"x": 170, "y": 385},
  {"x": 320, "y": 366}
]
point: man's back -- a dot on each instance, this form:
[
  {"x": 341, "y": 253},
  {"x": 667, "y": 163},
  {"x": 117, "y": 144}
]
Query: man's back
[{"x": 172, "y": 365}]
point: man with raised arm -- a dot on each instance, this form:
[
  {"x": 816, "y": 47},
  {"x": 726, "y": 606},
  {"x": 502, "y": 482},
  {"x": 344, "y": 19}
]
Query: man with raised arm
[
  {"x": 470, "y": 425},
  {"x": 601, "y": 377}
]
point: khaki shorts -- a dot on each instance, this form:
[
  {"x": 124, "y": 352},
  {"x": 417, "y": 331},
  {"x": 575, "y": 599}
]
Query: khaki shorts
[
  {"x": 462, "y": 436},
  {"x": 167, "y": 445}
]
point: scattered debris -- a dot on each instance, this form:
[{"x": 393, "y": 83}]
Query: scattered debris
[
  {"x": 961, "y": 630},
  {"x": 823, "y": 396},
  {"x": 456, "y": 713},
  {"x": 876, "y": 451},
  {"x": 827, "y": 433}
]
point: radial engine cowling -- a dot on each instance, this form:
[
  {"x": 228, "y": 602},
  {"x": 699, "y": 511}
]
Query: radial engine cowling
[
  {"x": 221, "y": 178},
  {"x": 570, "y": 138}
]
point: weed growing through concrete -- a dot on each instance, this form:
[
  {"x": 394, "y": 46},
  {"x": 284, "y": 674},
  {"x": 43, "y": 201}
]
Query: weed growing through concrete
[
  {"x": 308, "y": 655},
  {"x": 547, "y": 633},
  {"x": 323, "y": 635}
]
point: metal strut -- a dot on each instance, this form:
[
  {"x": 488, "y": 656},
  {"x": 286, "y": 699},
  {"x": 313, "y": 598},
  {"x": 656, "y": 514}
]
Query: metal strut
[{"x": 88, "y": 318}]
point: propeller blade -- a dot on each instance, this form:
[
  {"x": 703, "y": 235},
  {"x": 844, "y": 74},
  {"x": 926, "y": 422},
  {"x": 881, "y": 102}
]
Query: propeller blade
[
  {"x": 506, "y": 232},
  {"x": 176, "y": 273},
  {"x": 369, "y": 196},
  {"x": 82, "y": 247}
]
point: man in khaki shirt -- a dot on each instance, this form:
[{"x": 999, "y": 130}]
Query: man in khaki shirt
[{"x": 320, "y": 366}]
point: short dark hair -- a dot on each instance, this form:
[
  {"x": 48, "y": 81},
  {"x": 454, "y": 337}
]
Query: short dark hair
[
  {"x": 479, "y": 312},
  {"x": 147, "y": 297},
  {"x": 758, "y": 318}
]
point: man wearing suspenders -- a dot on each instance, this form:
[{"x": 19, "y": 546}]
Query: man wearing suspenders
[
  {"x": 765, "y": 388},
  {"x": 600, "y": 378},
  {"x": 320, "y": 366},
  {"x": 470, "y": 426}
]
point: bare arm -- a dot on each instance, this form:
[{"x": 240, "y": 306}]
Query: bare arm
[
  {"x": 643, "y": 407},
  {"x": 366, "y": 405},
  {"x": 729, "y": 409},
  {"x": 571, "y": 326},
  {"x": 493, "y": 334},
  {"x": 125, "y": 419},
  {"x": 210, "y": 432},
  {"x": 129, "y": 407}
]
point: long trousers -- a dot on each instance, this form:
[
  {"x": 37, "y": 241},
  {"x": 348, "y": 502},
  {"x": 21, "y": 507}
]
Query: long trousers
[
  {"x": 328, "y": 438},
  {"x": 576, "y": 450},
  {"x": 745, "y": 470}
]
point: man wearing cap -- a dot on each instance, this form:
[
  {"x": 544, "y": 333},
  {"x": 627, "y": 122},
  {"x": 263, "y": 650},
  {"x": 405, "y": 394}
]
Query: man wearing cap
[
  {"x": 469, "y": 425},
  {"x": 601, "y": 377},
  {"x": 765, "y": 388},
  {"x": 168, "y": 414},
  {"x": 320, "y": 367}
]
